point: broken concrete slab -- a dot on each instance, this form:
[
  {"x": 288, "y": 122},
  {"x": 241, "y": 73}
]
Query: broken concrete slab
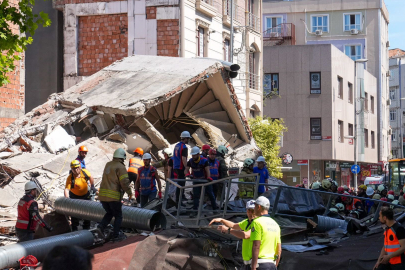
[
  {"x": 135, "y": 140},
  {"x": 118, "y": 135},
  {"x": 155, "y": 136},
  {"x": 7, "y": 198},
  {"x": 26, "y": 161},
  {"x": 59, "y": 140}
]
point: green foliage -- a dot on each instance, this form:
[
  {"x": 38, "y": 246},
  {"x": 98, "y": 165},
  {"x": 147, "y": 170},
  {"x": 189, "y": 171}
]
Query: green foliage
[
  {"x": 12, "y": 44},
  {"x": 267, "y": 134}
]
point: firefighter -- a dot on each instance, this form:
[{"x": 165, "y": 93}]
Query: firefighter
[
  {"x": 28, "y": 215},
  {"x": 205, "y": 150},
  {"x": 145, "y": 186},
  {"x": 392, "y": 255},
  {"x": 223, "y": 169},
  {"x": 114, "y": 183},
  {"x": 214, "y": 171},
  {"x": 180, "y": 154},
  {"x": 247, "y": 191},
  {"x": 77, "y": 188},
  {"x": 82, "y": 155}
]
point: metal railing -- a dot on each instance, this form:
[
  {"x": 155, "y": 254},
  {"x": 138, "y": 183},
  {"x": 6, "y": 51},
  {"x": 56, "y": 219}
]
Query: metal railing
[
  {"x": 238, "y": 11},
  {"x": 282, "y": 33},
  {"x": 253, "y": 21}
]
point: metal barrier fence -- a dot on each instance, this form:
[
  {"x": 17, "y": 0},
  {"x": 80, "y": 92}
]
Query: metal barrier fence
[{"x": 224, "y": 200}]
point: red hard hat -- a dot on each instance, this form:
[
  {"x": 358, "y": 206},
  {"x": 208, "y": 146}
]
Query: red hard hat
[
  {"x": 212, "y": 152},
  {"x": 83, "y": 149},
  {"x": 391, "y": 192},
  {"x": 345, "y": 198},
  {"x": 340, "y": 190},
  {"x": 206, "y": 147},
  {"x": 384, "y": 199}
]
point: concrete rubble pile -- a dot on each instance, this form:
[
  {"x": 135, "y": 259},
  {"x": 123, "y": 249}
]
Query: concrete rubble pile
[{"x": 140, "y": 101}]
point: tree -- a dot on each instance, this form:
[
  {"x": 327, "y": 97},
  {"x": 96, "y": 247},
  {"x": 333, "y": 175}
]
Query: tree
[
  {"x": 267, "y": 133},
  {"x": 17, "y": 21}
]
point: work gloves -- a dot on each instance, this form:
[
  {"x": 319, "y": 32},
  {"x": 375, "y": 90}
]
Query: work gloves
[
  {"x": 136, "y": 193},
  {"x": 160, "y": 194},
  {"x": 209, "y": 179}
]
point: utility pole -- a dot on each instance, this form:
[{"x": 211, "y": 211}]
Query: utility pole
[{"x": 231, "y": 41}]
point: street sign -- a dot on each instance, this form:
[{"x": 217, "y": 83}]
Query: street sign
[{"x": 355, "y": 169}]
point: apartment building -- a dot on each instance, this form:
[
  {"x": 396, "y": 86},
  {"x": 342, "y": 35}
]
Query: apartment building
[
  {"x": 397, "y": 108},
  {"x": 98, "y": 33},
  {"x": 316, "y": 87},
  {"x": 358, "y": 28}
]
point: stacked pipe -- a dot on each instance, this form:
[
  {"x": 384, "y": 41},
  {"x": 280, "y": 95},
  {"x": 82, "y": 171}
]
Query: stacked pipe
[{"x": 136, "y": 218}]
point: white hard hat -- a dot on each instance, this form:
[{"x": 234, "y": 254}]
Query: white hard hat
[
  {"x": 316, "y": 185},
  {"x": 250, "y": 204},
  {"x": 168, "y": 151},
  {"x": 340, "y": 206},
  {"x": 146, "y": 156},
  {"x": 333, "y": 210},
  {"x": 391, "y": 197},
  {"x": 195, "y": 150},
  {"x": 261, "y": 159},
  {"x": 30, "y": 186},
  {"x": 185, "y": 134},
  {"x": 369, "y": 191}
]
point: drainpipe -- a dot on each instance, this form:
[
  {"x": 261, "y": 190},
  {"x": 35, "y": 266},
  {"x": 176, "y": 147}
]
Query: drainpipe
[
  {"x": 231, "y": 41},
  {"x": 182, "y": 27}
]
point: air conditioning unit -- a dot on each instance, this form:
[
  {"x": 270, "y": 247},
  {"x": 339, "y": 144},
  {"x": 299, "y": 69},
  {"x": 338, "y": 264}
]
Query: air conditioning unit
[
  {"x": 388, "y": 73},
  {"x": 354, "y": 31},
  {"x": 388, "y": 44},
  {"x": 318, "y": 32},
  {"x": 388, "y": 102}
]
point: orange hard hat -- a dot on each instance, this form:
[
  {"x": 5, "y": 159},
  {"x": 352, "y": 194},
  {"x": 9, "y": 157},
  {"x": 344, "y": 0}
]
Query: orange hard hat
[
  {"x": 83, "y": 149},
  {"x": 139, "y": 151}
]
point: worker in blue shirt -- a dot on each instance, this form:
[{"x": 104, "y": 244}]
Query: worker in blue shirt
[{"x": 263, "y": 172}]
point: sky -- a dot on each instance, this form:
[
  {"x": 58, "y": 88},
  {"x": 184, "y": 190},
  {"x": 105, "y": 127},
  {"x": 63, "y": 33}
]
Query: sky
[{"x": 396, "y": 30}]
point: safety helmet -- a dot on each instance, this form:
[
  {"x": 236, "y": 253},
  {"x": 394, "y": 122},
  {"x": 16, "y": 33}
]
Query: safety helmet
[
  {"x": 326, "y": 184},
  {"x": 222, "y": 150},
  {"x": 363, "y": 187},
  {"x": 381, "y": 187},
  {"x": 345, "y": 187},
  {"x": 83, "y": 149},
  {"x": 248, "y": 162},
  {"x": 345, "y": 198},
  {"x": 315, "y": 185},
  {"x": 340, "y": 190},
  {"x": 139, "y": 151},
  {"x": 185, "y": 134},
  {"x": 261, "y": 159},
  {"x": 212, "y": 152},
  {"x": 168, "y": 152},
  {"x": 195, "y": 150},
  {"x": 146, "y": 156},
  {"x": 333, "y": 210},
  {"x": 391, "y": 192},
  {"x": 369, "y": 191},
  {"x": 74, "y": 164},
  {"x": 395, "y": 202},
  {"x": 384, "y": 199},
  {"x": 30, "y": 185},
  {"x": 376, "y": 196},
  {"x": 120, "y": 153},
  {"x": 340, "y": 206},
  {"x": 355, "y": 212},
  {"x": 205, "y": 147},
  {"x": 391, "y": 197}
]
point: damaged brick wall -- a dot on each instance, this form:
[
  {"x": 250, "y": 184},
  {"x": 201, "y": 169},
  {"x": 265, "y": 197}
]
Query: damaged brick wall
[
  {"x": 168, "y": 38},
  {"x": 103, "y": 39},
  {"x": 64, "y": 2}
]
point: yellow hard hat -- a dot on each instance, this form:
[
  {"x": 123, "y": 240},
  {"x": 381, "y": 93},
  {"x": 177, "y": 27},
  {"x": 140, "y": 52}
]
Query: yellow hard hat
[{"x": 74, "y": 164}]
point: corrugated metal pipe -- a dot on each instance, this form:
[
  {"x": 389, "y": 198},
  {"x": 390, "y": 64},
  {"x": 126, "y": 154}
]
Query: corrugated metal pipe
[
  {"x": 327, "y": 223},
  {"x": 136, "y": 218},
  {"x": 9, "y": 255}
]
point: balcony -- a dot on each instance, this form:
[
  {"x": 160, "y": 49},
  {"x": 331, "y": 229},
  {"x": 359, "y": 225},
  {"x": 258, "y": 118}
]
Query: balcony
[
  {"x": 281, "y": 34},
  {"x": 206, "y": 7},
  {"x": 238, "y": 14},
  {"x": 253, "y": 22}
]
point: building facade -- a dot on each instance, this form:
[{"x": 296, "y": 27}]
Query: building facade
[
  {"x": 98, "y": 33},
  {"x": 397, "y": 108},
  {"x": 358, "y": 28},
  {"x": 317, "y": 87}
]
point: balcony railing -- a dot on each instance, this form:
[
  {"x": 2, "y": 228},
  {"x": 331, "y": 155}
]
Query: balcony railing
[
  {"x": 281, "y": 34},
  {"x": 238, "y": 12},
  {"x": 253, "y": 21}
]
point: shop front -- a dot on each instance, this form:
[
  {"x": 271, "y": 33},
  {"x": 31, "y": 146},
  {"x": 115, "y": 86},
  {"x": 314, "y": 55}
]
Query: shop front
[{"x": 346, "y": 176}]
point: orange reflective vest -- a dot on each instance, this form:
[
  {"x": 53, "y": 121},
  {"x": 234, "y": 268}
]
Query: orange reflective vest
[
  {"x": 391, "y": 244},
  {"x": 134, "y": 164},
  {"x": 352, "y": 206}
]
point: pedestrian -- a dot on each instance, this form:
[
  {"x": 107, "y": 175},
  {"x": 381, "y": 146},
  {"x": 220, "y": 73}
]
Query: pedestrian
[
  {"x": 82, "y": 155},
  {"x": 265, "y": 235},
  {"x": 205, "y": 150},
  {"x": 28, "y": 216},
  {"x": 213, "y": 162},
  {"x": 114, "y": 183},
  {"x": 247, "y": 191},
  {"x": 68, "y": 258},
  {"x": 134, "y": 164},
  {"x": 145, "y": 186},
  {"x": 76, "y": 188},
  {"x": 242, "y": 231},
  {"x": 180, "y": 155},
  {"x": 200, "y": 169},
  {"x": 392, "y": 255},
  {"x": 263, "y": 172}
]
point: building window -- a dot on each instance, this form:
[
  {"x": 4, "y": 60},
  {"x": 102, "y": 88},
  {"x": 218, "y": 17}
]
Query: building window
[
  {"x": 350, "y": 92},
  {"x": 315, "y": 82},
  {"x": 352, "y": 21},
  {"x": 392, "y": 94},
  {"x": 340, "y": 87},
  {"x": 353, "y": 51},
  {"x": 340, "y": 131},
  {"x": 372, "y": 139},
  {"x": 393, "y": 115},
  {"x": 316, "y": 129},
  {"x": 395, "y": 153},
  {"x": 394, "y": 136},
  {"x": 320, "y": 22},
  {"x": 270, "y": 83},
  {"x": 366, "y": 101},
  {"x": 200, "y": 42},
  {"x": 372, "y": 104},
  {"x": 366, "y": 138},
  {"x": 350, "y": 129},
  {"x": 273, "y": 23},
  {"x": 227, "y": 50}
]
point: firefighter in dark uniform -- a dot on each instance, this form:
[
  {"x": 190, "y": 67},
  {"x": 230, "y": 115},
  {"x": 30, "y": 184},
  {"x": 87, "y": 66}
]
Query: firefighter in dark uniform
[{"x": 28, "y": 215}]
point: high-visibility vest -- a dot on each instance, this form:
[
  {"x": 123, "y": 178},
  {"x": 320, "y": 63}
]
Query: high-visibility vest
[
  {"x": 391, "y": 244},
  {"x": 134, "y": 164},
  {"x": 24, "y": 220}
]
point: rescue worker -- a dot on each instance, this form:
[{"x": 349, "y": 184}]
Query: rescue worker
[
  {"x": 82, "y": 155},
  {"x": 241, "y": 230},
  {"x": 334, "y": 186},
  {"x": 392, "y": 255},
  {"x": 134, "y": 164},
  {"x": 180, "y": 154},
  {"x": 205, "y": 150},
  {"x": 334, "y": 213},
  {"x": 200, "y": 169},
  {"x": 76, "y": 188},
  {"x": 361, "y": 191},
  {"x": 382, "y": 190},
  {"x": 114, "y": 183},
  {"x": 341, "y": 208},
  {"x": 368, "y": 204},
  {"x": 265, "y": 235},
  {"x": 390, "y": 198},
  {"x": 325, "y": 185},
  {"x": 222, "y": 151},
  {"x": 353, "y": 204},
  {"x": 145, "y": 186},
  {"x": 340, "y": 190},
  {"x": 28, "y": 215},
  {"x": 166, "y": 163},
  {"x": 247, "y": 191},
  {"x": 214, "y": 171},
  {"x": 346, "y": 188},
  {"x": 263, "y": 172}
]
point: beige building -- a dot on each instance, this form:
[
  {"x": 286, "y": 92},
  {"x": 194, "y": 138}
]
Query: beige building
[
  {"x": 358, "y": 28},
  {"x": 316, "y": 95}
]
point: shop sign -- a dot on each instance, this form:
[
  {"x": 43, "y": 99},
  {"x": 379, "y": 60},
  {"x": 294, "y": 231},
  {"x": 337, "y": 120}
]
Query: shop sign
[
  {"x": 302, "y": 162},
  {"x": 346, "y": 165},
  {"x": 331, "y": 165},
  {"x": 326, "y": 138},
  {"x": 374, "y": 167}
]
